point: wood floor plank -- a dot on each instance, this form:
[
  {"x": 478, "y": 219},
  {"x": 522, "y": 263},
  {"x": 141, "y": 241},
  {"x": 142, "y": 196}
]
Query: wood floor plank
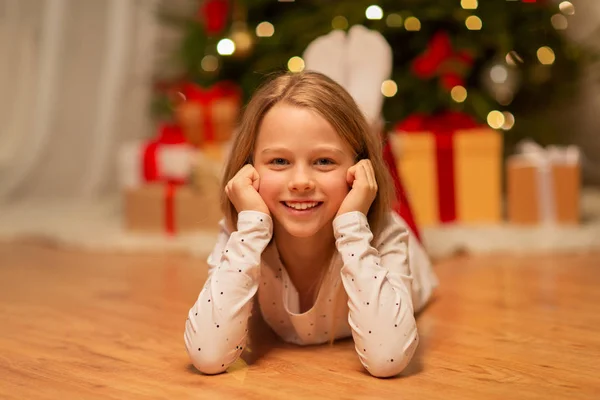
[{"x": 110, "y": 326}]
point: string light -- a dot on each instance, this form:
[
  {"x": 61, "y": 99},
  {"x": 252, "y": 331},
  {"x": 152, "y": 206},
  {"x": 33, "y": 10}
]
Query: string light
[
  {"x": 458, "y": 94},
  {"x": 412, "y": 24},
  {"x": 374, "y": 12},
  {"x": 499, "y": 74},
  {"x": 473, "y": 23},
  {"x": 394, "y": 20},
  {"x": 209, "y": 63},
  {"x": 509, "y": 121},
  {"x": 296, "y": 64},
  {"x": 559, "y": 22},
  {"x": 512, "y": 58},
  {"x": 242, "y": 39},
  {"x": 567, "y": 8},
  {"x": 339, "y": 22},
  {"x": 265, "y": 29},
  {"x": 546, "y": 55},
  {"x": 469, "y": 4},
  {"x": 495, "y": 119},
  {"x": 389, "y": 88},
  {"x": 225, "y": 47}
]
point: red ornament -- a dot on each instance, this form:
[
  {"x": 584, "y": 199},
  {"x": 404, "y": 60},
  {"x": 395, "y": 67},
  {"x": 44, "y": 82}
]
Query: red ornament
[
  {"x": 214, "y": 14},
  {"x": 440, "y": 59}
]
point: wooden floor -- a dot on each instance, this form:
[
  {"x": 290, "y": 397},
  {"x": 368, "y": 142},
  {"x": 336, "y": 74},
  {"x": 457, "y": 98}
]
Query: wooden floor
[{"x": 86, "y": 326}]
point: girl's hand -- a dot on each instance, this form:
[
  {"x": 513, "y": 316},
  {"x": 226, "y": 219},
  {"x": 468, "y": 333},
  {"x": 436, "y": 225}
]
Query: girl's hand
[
  {"x": 242, "y": 190},
  {"x": 361, "y": 178}
]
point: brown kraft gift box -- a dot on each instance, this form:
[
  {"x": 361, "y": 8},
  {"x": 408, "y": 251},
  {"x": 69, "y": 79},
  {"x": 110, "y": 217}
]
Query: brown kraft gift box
[{"x": 171, "y": 209}]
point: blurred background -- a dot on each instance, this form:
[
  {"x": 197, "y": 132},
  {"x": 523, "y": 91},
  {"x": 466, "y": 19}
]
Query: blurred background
[{"x": 116, "y": 115}]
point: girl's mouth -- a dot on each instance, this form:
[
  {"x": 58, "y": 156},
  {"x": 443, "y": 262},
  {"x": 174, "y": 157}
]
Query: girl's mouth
[{"x": 302, "y": 206}]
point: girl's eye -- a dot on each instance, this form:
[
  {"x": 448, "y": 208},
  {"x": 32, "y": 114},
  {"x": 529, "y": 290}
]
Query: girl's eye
[
  {"x": 325, "y": 161},
  {"x": 279, "y": 161}
]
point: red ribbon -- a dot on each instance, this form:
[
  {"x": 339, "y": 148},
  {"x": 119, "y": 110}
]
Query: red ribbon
[
  {"x": 204, "y": 97},
  {"x": 168, "y": 134},
  {"x": 170, "y": 189},
  {"x": 402, "y": 206},
  {"x": 443, "y": 126}
]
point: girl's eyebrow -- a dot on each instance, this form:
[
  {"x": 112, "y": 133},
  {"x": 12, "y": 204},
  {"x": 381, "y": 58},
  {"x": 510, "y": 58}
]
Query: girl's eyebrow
[
  {"x": 274, "y": 149},
  {"x": 315, "y": 150}
]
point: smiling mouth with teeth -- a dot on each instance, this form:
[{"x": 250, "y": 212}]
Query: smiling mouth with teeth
[{"x": 302, "y": 205}]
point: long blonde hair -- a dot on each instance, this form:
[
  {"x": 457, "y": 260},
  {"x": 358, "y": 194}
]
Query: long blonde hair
[{"x": 320, "y": 94}]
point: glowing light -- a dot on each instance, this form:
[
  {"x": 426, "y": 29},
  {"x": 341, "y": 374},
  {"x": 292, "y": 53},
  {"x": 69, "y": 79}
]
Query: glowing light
[
  {"x": 495, "y": 119},
  {"x": 458, "y": 94},
  {"x": 412, "y": 24},
  {"x": 559, "y": 22},
  {"x": 225, "y": 47},
  {"x": 473, "y": 23},
  {"x": 265, "y": 29},
  {"x": 567, "y": 8},
  {"x": 339, "y": 22},
  {"x": 469, "y": 4},
  {"x": 296, "y": 64},
  {"x": 389, "y": 88},
  {"x": 242, "y": 40},
  {"x": 394, "y": 21},
  {"x": 374, "y": 12},
  {"x": 546, "y": 55},
  {"x": 513, "y": 58},
  {"x": 209, "y": 63},
  {"x": 499, "y": 74},
  {"x": 509, "y": 121}
]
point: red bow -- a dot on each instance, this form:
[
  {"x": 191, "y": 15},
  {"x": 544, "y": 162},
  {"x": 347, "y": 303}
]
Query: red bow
[
  {"x": 214, "y": 14},
  {"x": 441, "y": 60}
]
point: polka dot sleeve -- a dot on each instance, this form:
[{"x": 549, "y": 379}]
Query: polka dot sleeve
[
  {"x": 378, "y": 283},
  {"x": 216, "y": 328}
]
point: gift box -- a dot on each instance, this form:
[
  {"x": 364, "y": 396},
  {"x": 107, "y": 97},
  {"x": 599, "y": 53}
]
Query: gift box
[
  {"x": 451, "y": 168},
  {"x": 168, "y": 157},
  {"x": 543, "y": 185},
  {"x": 170, "y": 208},
  {"x": 208, "y": 166},
  {"x": 209, "y": 115}
]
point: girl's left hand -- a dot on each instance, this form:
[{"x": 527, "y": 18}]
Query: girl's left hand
[{"x": 361, "y": 178}]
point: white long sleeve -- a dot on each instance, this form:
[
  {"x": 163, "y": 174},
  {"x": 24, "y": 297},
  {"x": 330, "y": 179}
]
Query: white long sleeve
[
  {"x": 216, "y": 328},
  {"x": 383, "y": 283},
  {"x": 378, "y": 282}
]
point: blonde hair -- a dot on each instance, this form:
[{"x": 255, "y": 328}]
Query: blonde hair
[{"x": 320, "y": 94}]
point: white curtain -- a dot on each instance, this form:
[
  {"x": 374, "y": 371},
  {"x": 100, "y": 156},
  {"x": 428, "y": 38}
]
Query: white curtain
[{"x": 74, "y": 84}]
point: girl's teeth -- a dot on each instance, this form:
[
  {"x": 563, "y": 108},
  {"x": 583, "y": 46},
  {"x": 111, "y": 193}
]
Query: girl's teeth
[{"x": 301, "y": 206}]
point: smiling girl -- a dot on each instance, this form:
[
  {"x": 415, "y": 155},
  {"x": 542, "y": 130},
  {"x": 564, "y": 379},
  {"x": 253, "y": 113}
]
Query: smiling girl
[{"x": 309, "y": 230}]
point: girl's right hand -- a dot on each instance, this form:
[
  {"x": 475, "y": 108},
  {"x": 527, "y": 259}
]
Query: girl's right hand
[{"x": 242, "y": 190}]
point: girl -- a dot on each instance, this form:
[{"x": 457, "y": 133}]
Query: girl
[{"x": 308, "y": 227}]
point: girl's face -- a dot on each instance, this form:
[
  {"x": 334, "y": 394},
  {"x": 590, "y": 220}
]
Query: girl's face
[{"x": 302, "y": 163}]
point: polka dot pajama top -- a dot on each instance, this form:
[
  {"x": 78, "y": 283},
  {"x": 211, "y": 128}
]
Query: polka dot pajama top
[{"x": 384, "y": 283}]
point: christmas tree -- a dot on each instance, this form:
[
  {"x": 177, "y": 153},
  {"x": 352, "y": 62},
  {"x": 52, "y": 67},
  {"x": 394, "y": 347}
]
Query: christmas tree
[{"x": 501, "y": 61}]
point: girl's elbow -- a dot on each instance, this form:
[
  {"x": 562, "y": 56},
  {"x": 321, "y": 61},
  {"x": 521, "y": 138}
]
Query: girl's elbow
[
  {"x": 389, "y": 364},
  {"x": 209, "y": 364}
]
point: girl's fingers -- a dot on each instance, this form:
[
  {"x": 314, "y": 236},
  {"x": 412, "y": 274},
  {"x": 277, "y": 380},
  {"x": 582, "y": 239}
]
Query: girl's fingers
[{"x": 351, "y": 175}]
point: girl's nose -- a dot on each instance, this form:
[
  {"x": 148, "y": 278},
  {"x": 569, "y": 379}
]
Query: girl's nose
[{"x": 301, "y": 182}]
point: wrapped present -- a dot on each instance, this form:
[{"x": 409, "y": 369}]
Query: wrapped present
[
  {"x": 168, "y": 157},
  {"x": 209, "y": 115},
  {"x": 208, "y": 166},
  {"x": 170, "y": 208},
  {"x": 544, "y": 185},
  {"x": 451, "y": 168}
]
